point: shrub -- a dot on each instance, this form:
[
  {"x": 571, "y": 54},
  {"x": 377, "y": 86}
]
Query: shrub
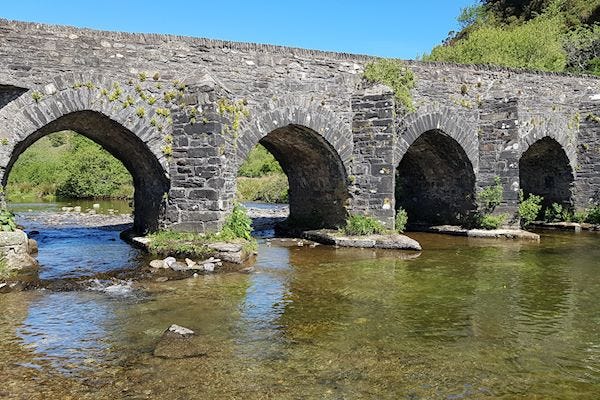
[
  {"x": 258, "y": 163},
  {"x": 272, "y": 188},
  {"x": 68, "y": 165},
  {"x": 535, "y": 44},
  {"x": 396, "y": 75},
  {"x": 492, "y": 221},
  {"x": 360, "y": 225},
  {"x": 530, "y": 208},
  {"x": 401, "y": 219},
  {"x": 238, "y": 225},
  {"x": 490, "y": 197},
  {"x": 593, "y": 216},
  {"x": 580, "y": 216},
  {"x": 7, "y": 221},
  {"x": 558, "y": 213}
]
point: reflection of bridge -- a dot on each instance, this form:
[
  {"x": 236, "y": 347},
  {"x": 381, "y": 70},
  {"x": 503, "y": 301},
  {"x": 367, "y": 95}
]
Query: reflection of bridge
[{"x": 183, "y": 113}]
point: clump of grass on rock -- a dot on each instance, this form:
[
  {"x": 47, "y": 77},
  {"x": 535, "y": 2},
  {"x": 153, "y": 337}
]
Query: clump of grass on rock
[
  {"x": 361, "y": 225},
  {"x": 237, "y": 229}
]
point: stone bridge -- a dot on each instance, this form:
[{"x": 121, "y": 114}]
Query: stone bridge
[{"x": 182, "y": 114}]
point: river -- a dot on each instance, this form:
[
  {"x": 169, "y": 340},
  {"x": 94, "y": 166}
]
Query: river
[{"x": 465, "y": 319}]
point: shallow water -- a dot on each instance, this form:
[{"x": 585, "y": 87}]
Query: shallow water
[{"x": 467, "y": 319}]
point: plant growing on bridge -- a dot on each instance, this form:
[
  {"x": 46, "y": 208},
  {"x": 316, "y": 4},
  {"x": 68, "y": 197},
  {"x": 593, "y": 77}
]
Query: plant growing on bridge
[
  {"x": 401, "y": 219},
  {"x": 593, "y": 215},
  {"x": 395, "y": 74},
  {"x": 558, "y": 213},
  {"x": 7, "y": 221},
  {"x": 238, "y": 225},
  {"x": 235, "y": 111},
  {"x": 488, "y": 199},
  {"x": 361, "y": 225},
  {"x": 492, "y": 221},
  {"x": 36, "y": 96},
  {"x": 529, "y": 208}
]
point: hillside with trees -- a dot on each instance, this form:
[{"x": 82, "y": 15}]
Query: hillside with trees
[{"x": 546, "y": 35}]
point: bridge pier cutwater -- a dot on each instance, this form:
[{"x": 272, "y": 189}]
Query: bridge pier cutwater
[{"x": 182, "y": 114}]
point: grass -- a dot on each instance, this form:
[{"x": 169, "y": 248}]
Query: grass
[
  {"x": 237, "y": 229},
  {"x": 361, "y": 225},
  {"x": 68, "y": 165},
  {"x": 271, "y": 188}
]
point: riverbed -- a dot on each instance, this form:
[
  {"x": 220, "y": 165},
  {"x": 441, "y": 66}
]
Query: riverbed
[{"x": 464, "y": 319}]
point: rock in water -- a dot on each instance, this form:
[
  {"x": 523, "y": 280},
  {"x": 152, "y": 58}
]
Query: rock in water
[
  {"x": 158, "y": 264},
  {"x": 191, "y": 264},
  {"x": 180, "y": 330},
  {"x": 32, "y": 247},
  {"x": 169, "y": 261},
  {"x": 179, "y": 342}
]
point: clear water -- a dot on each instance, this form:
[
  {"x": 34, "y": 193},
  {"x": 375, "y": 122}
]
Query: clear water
[{"x": 466, "y": 319}]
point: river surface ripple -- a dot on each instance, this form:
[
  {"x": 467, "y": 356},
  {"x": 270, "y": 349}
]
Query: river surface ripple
[{"x": 467, "y": 319}]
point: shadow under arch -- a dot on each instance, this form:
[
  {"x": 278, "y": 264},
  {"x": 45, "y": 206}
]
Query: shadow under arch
[
  {"x": 545, "y": 170},
  {"x": 313, "y": 145},
  {"x": 150, "y": 179},
  {"x": 318, "y": 188},
  {"x": 435, "y": 181}
]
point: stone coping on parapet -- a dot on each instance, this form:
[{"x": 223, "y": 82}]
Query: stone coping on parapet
[{"x": 158, "y": 38}]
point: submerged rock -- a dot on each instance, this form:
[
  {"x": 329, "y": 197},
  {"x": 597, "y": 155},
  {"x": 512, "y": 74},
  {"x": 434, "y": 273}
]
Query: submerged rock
[{"x": 179, "y": 342}]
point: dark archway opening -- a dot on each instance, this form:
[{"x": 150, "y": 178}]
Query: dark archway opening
[
  {"x": 544, "y": 170},
  {"x": 318, "y": 188},
  {"x": 435, "y": 181},
  {"x": 149, "y": 179}
]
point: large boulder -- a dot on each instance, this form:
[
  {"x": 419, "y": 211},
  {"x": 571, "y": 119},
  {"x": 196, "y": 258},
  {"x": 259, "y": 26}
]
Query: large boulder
[{"x": 15, "y": 250}]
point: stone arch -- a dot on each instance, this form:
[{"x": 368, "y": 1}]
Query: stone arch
[
  {"x": 554, "y": 129},
  {"x": 314, "y": 149},
  {"x": 63, "y": 104},
  {"x": 441, "y": 119},
  {"x": 436, "y": 170},
  {"x": 545, "y": 170}
]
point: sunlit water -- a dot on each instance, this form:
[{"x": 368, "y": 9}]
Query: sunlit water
[{"x": 467, "y": 319}]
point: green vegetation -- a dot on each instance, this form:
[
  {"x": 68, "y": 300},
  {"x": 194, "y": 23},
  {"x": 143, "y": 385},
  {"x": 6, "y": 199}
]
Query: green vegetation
[
  {"x": 259, "y": 163},
  {"x": 238, "y": 225},
  {"x": 593, "y": 215},
  {"x": 360, "y": 225},
  {"x": 401, "y": 219},
  {"x": 529, "y": 208},
  {"x": 260, "y": 178},
  {"x": 7, "y": 221},
  {"x": 489, "y": 221},
  {"x": 557, "y": 213},
  {"x": 272, "y": 188},
  {"x": 237, "y": 229},
  {"x": 396, "y": 75},
  {"x": 68, "y": 165},
  {"x": 547, "y": 35},
  {"x": 489, "y": 198}
]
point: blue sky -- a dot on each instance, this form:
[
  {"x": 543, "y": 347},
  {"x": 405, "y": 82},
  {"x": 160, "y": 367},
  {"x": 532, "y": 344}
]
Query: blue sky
[{"x": 386, "y": 28}]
